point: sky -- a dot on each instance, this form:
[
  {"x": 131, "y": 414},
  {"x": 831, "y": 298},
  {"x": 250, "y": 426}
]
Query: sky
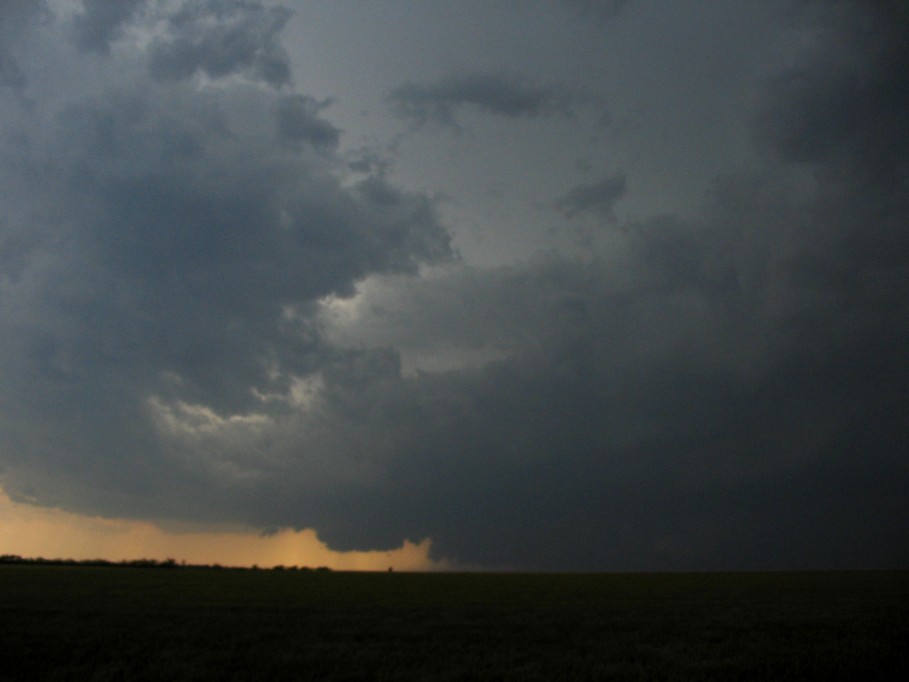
[{"x": 537, "y": 285}]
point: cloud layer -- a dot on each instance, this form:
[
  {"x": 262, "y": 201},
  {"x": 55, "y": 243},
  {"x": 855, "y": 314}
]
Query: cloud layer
[{"x": 203, "y": 318}]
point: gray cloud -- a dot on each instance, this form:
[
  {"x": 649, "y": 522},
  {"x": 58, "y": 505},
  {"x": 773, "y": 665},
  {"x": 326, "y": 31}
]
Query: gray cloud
[
  {"x": 163, "y": 248},
  {"x": 843, "y": 96},
  {"x": 489, "y": 93},
  {"x": 298, "y": 121},
  {"x": 599, "y": 197},
  {"x": 222, "y": 37},
  {"x": 205, "y": 232},
  {"x": 691, "y": 401},
  {"x": 10, "y": 73},
  {"x": 15, "y": 19},
  {"x": 100, "y": 23},
  {"x": 720, "y": 391},
  {"x": 726, "y": 391}
]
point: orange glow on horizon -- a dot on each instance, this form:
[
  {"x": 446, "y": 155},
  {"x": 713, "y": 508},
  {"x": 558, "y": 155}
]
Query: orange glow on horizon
[{"x": 32, "y": 532}]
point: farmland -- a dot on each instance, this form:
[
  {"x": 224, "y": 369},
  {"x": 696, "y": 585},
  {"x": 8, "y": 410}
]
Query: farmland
[{"x": 134, "y": 623}]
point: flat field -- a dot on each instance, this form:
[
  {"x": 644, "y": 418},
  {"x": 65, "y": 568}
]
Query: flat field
[{"x": 96, "y": 623}]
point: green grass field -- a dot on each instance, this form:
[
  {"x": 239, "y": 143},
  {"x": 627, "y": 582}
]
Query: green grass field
[{"x": 91, "y": 623}]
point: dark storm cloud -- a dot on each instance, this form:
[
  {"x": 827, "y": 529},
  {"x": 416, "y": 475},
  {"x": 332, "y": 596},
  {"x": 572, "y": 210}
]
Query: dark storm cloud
[
  {"x": 221, "y": 37},
  {"x": 842, "y": 114},
  {"x": 691, "y": 404},
  {"x": 599, "y": 197},
  {"x": 101, "y": 22},
  {"x": 721, "y": 391},
  {"x": 845, "y": 106},
  {"x": 489, "y": 93},
  {"x": 162, "y": 247}
]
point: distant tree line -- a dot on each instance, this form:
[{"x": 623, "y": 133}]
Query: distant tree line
[{"x": 141, "y": 563}]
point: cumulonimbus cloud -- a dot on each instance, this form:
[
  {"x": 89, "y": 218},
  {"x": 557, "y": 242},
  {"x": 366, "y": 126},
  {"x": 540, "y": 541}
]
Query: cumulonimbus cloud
[
  {"x": 722, "y": 390},
  {"x": 165, "y": 244}
]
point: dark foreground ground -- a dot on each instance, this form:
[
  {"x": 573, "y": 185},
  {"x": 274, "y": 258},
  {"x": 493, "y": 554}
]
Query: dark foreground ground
[{"x": 90, "y": 623}]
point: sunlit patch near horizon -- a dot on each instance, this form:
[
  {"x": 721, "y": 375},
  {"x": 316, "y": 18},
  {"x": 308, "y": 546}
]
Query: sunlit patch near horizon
[{"x": 30, "y": 531}]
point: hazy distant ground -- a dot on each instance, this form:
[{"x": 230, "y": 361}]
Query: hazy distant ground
[{"x": 132, "y": 623}]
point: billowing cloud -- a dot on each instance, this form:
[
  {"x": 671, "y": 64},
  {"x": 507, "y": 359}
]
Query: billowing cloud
[
  {"x": 100, "y": 23},
  {"x": 165, "y": 244},
  {"x": 203, "y": 320},
  {"x": 489, "y": 93},
  {"x": 221, "y": 37}
]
